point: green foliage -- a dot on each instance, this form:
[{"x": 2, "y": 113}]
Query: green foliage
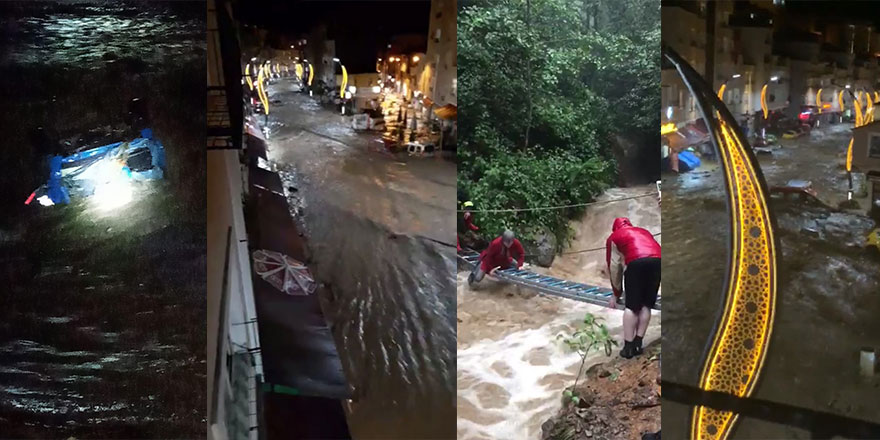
[
  {"x": 583, "y": 83},
  {"x": 592, "y": 334}
]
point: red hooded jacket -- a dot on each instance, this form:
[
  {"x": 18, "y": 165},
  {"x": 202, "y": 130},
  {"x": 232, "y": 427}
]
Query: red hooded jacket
[
  {"x": 626, "y": 244},
  {"x": 497, "y": 255}
]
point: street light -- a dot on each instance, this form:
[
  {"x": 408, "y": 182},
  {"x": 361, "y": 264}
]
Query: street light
[
  {"x": 416, "y": 59},
  {"x": 736, "y": 75},
  {"x": 774, "y": 78}
]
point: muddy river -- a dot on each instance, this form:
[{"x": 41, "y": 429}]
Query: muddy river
[{"x": 512, "y": 369}]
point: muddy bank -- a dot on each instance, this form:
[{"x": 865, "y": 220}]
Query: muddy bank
[
  {"x": 618, "y": 399},
  {"x": 512, "y": 369}
]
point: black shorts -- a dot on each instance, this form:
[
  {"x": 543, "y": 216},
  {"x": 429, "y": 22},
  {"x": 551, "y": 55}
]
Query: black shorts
[{"x": 641, "y": 281}]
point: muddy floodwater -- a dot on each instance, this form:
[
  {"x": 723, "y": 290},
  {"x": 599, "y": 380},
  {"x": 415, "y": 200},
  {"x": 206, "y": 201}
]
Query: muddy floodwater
[
  {"x": 828, "y": 295},
  {"x": 512, "y": 369},
  {"x": 381, "y": 233},
  {"x": 102, "y": 312}
]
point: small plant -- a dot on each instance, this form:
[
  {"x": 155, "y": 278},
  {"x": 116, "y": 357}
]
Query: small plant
[{"x": 589, "y": 336}]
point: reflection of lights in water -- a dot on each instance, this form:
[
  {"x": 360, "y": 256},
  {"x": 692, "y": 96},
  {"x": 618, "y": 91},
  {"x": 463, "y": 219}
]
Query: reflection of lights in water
[
  {"x": 45, "y": 201},
  {"x": 112, "y": 195}
]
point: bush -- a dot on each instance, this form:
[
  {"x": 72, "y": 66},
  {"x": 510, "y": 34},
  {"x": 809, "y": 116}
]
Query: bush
[{"x": 544, "y": 95}]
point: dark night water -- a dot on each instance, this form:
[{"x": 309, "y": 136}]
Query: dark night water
[
  {"x": 828, "y": 295},
  {"x": 376, "y": 225},
  {"x": 102, "y": 315}
]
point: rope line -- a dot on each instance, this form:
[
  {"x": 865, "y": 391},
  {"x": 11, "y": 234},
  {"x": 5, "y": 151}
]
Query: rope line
[
  {"x": 542, "y": 208},
  {"x": 582, "y": 251}
]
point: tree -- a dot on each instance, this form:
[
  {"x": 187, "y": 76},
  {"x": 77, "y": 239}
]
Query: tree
[{"x": 543, "y": 95}]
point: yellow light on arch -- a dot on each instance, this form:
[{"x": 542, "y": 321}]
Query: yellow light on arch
[
  {"x": 819, "y": 100},
  {"x": 668, "y": 128},
  {"x": 849, "y": 156},
  {"x": 247, "y": 76},
  {"x": 764, "y": 101},
  {"x": 344, "y": 82}
]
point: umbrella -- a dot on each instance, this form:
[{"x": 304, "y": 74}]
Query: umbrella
[{"x": 284, "y": 273}]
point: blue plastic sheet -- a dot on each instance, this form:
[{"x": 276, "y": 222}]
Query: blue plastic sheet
[{"x": 63, "y": 171}]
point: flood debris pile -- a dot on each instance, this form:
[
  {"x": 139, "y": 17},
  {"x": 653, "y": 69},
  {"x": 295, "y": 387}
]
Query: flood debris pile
[{"x": 617, "y": 399}]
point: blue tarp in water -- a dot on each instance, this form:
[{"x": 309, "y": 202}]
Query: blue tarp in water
[
  {"x": 687, "y": 161},
  {"x": 84, "y": 170}
]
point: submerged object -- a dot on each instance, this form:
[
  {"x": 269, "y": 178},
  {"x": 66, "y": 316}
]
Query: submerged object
[{"x": 105, "y": 172}]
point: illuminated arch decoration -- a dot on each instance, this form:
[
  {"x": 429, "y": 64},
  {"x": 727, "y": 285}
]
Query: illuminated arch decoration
[
  {"x": 819, "y": 100},
  {"x": 311, "y": 74},
  {"x": 261, "y": 90},
  {"x": 737, "y": 351},
  {"x": 840, "y": 100},
  {"x": 344, "y": 82},
  {"x": 247, "y": 76},
  {"x": 764, "y": 101}
]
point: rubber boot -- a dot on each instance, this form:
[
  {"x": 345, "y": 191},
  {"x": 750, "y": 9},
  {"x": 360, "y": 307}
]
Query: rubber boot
[
  {"x": 629, "y": 350},
  {"x": 637, "y": 345}
]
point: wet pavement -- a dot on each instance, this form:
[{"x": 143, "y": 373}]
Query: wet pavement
[
  {"x": 102, "y": 324},
  {"x": 828, "y": 294},
  {"x": 381, "y": 233}
]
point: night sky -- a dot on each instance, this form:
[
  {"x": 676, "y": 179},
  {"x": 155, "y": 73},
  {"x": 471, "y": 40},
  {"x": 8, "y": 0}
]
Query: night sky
[
  {"x": 858, "y": 11},
  {"x": 361, "y": 28}
]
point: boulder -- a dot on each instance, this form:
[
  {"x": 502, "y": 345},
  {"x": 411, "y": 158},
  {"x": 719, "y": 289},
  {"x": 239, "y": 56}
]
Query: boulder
[{"x": 541, "y": 251}]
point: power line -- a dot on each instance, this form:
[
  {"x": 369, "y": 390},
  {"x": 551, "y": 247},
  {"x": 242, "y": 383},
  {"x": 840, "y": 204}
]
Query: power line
[{"x": 542, "y": 208}]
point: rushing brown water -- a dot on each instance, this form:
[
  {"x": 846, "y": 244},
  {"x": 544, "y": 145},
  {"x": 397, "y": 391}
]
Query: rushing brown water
[{"x": 381, "y": 229}]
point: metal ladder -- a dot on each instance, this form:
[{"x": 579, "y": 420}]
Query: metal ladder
[{"x": 549, "y": 285}]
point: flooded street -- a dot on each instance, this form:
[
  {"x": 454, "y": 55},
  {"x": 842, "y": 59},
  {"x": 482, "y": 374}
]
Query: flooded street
[
  {"x": 381, "y": 232},
  {"x": 512, "y": 369},
  {"x": 99, "y": 329},
  {"x": 828, "y": 286}
]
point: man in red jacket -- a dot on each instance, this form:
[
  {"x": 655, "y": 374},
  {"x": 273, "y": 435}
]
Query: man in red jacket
[
  {"x": 504, "y": 252},
  {"x": 633, "y": 258}
]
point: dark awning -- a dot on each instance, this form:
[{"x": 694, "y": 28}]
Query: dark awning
[{"x": 298, "y": 349}]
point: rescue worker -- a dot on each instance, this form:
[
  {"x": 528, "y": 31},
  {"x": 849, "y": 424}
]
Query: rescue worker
[
  {"x": 504, "y": 252},
  {"x": 633, "y": 258},
  {"x": 467, "y": 225}
]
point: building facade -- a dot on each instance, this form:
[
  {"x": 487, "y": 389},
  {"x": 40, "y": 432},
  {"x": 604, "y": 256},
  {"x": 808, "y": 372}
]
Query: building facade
[{"x": 437, "y": 76}]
